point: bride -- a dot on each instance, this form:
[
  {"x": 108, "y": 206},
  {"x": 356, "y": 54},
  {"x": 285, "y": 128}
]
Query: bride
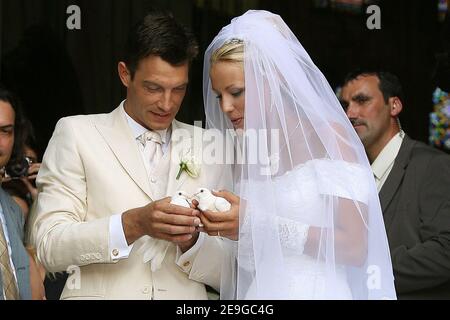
[{"x": 305, "y": 209}]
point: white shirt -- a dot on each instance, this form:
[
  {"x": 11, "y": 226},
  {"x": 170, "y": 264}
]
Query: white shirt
[
  {"x": 139, "y": 130},
  {"x": 119, "y": 248},
  {"x": 5, "y": 230},
  {"x": 384, "y": 162}
]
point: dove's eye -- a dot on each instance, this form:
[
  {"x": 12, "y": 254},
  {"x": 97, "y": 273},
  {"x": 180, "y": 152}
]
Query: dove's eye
[{"x": 201, "y": 190}]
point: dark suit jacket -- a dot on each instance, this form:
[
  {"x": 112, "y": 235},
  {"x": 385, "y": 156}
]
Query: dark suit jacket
[
  {"x": 15, "y": 224},
  {"x": 415, "y": 200}
]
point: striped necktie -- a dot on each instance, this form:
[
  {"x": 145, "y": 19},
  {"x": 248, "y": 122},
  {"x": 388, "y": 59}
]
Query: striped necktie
[{"x": 7, "y": 275}]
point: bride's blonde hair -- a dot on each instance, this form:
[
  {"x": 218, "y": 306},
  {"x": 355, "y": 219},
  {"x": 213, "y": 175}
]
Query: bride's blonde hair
[{"x": 231, "y": 51}]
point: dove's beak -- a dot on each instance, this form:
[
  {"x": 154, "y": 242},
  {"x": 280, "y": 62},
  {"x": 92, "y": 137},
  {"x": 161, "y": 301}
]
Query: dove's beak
[{"x": 195, "y": 196}]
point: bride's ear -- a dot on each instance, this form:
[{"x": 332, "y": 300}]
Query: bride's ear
[{"x": 124, "y": 73}]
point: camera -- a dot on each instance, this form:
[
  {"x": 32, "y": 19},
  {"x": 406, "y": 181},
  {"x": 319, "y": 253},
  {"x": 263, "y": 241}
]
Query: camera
[{"x": 18, "y": 169}]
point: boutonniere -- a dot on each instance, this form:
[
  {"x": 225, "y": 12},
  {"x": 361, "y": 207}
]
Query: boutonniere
[{"x": 189, "y": 165}]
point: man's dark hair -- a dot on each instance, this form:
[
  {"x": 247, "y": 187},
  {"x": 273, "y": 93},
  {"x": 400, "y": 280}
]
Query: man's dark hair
[
  {"x": 159, "y": 34},
  {"x": 389, "y": 84},
  {"x": 19, "y": 138}
]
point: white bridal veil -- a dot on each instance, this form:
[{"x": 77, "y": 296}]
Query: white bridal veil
[{"x": 310, "y": 220}]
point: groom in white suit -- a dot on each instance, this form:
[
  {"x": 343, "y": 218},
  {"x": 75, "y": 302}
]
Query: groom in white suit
[{"x": 105, "y": 178}]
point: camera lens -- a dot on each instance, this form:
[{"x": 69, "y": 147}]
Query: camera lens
[{"x": 17, "y": 169}]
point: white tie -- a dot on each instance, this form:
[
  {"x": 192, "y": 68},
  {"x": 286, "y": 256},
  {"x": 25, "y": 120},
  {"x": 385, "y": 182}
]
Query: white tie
[
  {"x": 153, "y": 250},
  {"x": 152, "y": 143}
]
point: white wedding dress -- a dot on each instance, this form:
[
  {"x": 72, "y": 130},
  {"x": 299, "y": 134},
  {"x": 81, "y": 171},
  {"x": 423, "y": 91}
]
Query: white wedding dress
[{"x": 299, "y": 193}]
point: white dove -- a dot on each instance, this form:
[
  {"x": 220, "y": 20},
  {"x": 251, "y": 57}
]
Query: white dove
[
  {"x": 154, "y": 250},
  {"x": 208, "y": 201},
  {"x": 181, "y": 198}
]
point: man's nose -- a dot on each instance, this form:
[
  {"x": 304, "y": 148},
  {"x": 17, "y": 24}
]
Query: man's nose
[
  {"x": 351, "y": 111},
  {"x": 166, "y": 101}
]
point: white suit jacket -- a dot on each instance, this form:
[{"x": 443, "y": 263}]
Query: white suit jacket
[{"x": 91, "y": 170}]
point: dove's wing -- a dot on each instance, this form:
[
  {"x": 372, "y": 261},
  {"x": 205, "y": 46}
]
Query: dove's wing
[
  {"x": 149, "y": 252},
  {"x": 158, "y": 258},
  {"x": 206, "y": 203},
  {"x": 222, "y": 204},
  {"x": 180, "y": 201},
  {"x": 154, "y": 250}
]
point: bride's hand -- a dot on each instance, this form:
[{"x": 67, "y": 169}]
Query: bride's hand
[{"x": 223, "y": 224}]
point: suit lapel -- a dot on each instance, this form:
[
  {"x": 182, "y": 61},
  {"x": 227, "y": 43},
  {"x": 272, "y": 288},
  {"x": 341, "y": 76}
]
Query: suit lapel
[
  {"x": 394, "y": 179},
  {"x": 180, "y": 145},
  {"x": 119, "y": 137},
  {"x": 11, "y": 224}
]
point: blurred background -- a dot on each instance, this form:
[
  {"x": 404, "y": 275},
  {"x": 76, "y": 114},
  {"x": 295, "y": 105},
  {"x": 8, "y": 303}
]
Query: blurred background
[{"x": 59, "y": 72}]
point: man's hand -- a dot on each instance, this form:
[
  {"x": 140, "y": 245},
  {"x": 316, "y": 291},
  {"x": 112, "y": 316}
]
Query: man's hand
[
  {"x": 185, "y": 246},
  {"x": 162, "y": 220},
  {"x": 29, "y": 180}
]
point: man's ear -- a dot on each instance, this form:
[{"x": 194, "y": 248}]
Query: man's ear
[
  {"x": 396, "y": 106},
  {"x": 124, "y": 73}
]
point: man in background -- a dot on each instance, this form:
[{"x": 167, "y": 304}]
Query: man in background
[
  {"x": 14, "y": 259},
  {"x": 413, "y": 182}
]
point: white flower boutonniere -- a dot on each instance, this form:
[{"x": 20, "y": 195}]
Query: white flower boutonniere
[{"x": 189, "y": 164}]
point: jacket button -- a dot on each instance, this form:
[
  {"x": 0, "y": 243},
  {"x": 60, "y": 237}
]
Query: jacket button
[
  {"x": 146, "y": 290},
  {"x": 186, "y": 264},
  {"x": 115, "y": 252}
]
